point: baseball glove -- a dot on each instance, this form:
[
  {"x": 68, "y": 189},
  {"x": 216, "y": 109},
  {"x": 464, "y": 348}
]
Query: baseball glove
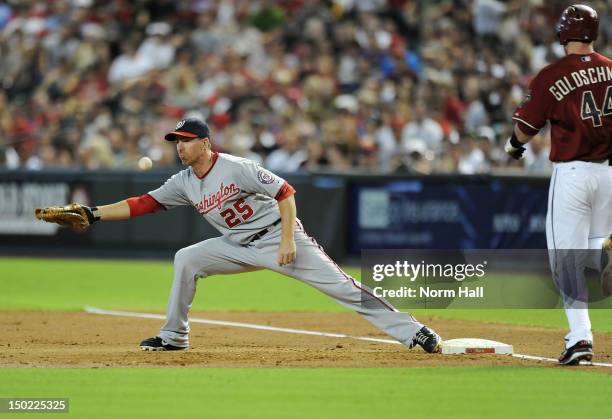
[{"x": 74, "y": 216}]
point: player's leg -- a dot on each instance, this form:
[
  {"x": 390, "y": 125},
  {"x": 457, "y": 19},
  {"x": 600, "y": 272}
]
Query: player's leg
[
  {"x": 567, "y": 232},
  {"x": 315, "y": 268},
  {"x": 210, "y": 257},
  {"x": 601, "y": 227},
  {"x": 606, "y": 274}
]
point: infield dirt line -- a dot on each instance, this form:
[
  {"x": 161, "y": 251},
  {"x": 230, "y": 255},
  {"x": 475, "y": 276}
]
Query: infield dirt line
[{"x": 95, "y": 310}]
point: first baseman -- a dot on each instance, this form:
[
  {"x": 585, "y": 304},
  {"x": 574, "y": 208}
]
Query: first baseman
[
  {"x": 255, "y": 212},
  {"x": 575, "y": 95}
]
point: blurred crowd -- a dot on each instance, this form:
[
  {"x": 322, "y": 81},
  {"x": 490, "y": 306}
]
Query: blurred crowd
[{"x": 343, "y": 85}]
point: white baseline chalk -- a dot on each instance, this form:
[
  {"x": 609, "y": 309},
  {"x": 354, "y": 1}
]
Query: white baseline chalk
[{"x": 94, "y": 310}]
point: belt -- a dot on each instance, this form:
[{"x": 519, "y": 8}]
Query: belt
[{"x": 265, "y": 231}]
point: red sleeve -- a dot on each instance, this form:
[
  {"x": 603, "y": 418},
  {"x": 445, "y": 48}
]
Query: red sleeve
[
  {"x": 143, "y": 204},
  {"x": 284, "y": 192},
  {"x": 533, "y": 112}
]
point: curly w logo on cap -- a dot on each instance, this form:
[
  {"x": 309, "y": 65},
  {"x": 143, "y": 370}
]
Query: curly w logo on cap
[{"x": 191, "y": 128}]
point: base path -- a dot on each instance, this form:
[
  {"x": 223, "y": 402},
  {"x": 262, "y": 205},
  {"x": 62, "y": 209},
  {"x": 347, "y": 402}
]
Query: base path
[{"x": 71, "y": 339}]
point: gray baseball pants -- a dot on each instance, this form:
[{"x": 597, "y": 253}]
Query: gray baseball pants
[{"x": 312, "y": 266}]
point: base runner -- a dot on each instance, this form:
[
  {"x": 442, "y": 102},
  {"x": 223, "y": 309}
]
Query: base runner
[
  {"x": 575, "y": 95},
  {"x": 255, "y": 212}
]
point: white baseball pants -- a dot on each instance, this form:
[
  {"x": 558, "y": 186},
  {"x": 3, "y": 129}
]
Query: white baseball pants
[{"x": 579, "y": 217}]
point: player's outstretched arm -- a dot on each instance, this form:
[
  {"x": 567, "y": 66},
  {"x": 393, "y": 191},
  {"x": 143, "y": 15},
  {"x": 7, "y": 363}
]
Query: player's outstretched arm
[
  {"x": 117, "y": 211},
  {"x": 79, "y": 217},
  {"x": 129, "y": 208},
  {"x": 287, "y": 248}
]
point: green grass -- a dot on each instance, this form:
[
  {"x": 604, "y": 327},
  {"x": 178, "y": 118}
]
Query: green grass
[
  {"x": 456, "y": 392},
  {"x": 601, "y": 319},
  {"x": 53, "y": 284},
  {"x": 63, "y": 284},
  {"x": 452, "y": 392}
]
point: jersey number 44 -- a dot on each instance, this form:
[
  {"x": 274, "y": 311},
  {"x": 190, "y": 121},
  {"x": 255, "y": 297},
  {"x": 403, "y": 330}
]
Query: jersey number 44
[{"x": 589, "y": 109}]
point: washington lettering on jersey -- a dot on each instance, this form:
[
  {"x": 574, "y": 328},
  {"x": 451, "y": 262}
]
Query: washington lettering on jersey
[
  {"x": 214, "y": 200},
  {"x": 236, "y": 196},
  {"x": 584, "y": 77}
]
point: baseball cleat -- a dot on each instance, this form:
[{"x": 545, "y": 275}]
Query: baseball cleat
[
  {"x": 606, "y": 275},
  {"x": 427, "y": 339},
  {"x": 581, "y": 351},
  {"x": 158, "y": 344}
]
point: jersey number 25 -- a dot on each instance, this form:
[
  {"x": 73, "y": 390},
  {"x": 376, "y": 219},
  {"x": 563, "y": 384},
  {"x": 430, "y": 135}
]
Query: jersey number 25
[
  {"x": 230, "y": 216},
  {"x": 589, "y": 109}
]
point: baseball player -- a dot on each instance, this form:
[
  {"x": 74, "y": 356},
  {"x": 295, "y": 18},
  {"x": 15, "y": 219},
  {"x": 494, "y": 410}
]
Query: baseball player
[
  {"x": 575, "y": 95},
  {"x": 255, "y": 212}
]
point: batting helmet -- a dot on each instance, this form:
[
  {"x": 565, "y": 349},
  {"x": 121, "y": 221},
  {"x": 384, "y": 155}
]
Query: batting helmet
[{"x": 578, "y": 23}]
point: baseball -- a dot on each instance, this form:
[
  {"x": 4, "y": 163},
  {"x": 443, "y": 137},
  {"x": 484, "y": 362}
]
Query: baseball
[{"x": 145, "y": 163}]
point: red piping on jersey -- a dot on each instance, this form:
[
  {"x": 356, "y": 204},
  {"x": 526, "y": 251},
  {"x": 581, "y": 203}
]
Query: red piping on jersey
[
  {"x": 383, "y": 302},
  {"x": 215, "y": 156},
  {"x": 284, "y": 192},
  {"x": 143, "y": 204}
]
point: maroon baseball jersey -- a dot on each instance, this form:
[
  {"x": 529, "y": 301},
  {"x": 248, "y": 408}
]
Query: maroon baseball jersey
[{"x": 575, "y": 95}]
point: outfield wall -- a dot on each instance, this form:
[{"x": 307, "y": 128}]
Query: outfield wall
[{"x": 344, "y": 212}]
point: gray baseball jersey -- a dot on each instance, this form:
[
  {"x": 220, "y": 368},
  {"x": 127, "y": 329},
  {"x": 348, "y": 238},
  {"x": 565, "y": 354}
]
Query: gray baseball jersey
[{"x": 236, "y": 196}]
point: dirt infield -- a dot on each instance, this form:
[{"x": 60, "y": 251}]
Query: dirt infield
[{"x": 56, "y": 339}]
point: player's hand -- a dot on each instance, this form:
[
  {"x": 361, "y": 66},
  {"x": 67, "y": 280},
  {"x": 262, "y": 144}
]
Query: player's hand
[
  {"x": 286, "y": 252},
  {"x": 514, "y": 149}
]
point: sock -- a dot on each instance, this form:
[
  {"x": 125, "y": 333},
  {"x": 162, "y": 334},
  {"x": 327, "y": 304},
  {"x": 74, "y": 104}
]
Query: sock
[{"x": 580, "y": 326}]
